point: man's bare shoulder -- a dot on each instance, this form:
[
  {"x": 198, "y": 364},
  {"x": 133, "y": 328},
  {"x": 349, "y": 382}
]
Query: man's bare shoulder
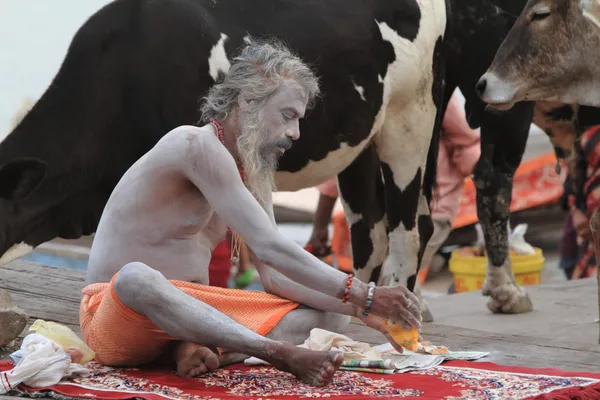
[
  {"x": 188, "y": 136},
  {"x": 192, "y": 150},
  {"x": 188, "y": 142}
]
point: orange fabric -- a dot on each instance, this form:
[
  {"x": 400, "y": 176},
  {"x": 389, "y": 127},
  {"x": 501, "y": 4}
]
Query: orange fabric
[
  {"x": 340, "y": 243},
  {"x": 535, "y": 184},
  {"x": 122, "y": 337}
]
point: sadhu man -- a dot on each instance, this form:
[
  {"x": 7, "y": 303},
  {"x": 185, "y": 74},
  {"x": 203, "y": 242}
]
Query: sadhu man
[{"x": 147, "y": 295}]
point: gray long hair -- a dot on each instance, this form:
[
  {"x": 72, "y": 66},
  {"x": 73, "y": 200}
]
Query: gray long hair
[{"x": 255, "y": 74}]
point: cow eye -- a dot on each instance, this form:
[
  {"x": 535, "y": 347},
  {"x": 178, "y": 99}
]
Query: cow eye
[{"x": 539, "y": 15}]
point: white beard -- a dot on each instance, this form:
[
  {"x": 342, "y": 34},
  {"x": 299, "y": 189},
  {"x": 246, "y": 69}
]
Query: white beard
[{"x": 258, "y": 171}]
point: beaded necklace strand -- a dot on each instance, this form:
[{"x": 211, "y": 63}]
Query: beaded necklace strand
[{"x": 235, "y": 238}]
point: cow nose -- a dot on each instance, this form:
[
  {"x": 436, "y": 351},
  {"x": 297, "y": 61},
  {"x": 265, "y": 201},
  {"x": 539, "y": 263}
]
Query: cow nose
[{"x": 481, "y": 85}]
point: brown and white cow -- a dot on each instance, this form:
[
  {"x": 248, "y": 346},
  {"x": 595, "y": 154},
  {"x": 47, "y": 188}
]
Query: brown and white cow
[{"x": 549, "y": 54}]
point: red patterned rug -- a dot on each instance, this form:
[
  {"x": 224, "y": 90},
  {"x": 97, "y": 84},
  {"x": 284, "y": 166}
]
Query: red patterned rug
[{"x": 451, "y": 381}]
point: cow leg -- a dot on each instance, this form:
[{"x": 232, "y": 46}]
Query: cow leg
[
  {"x": 401, "y": 268},
  {"x": 402, "y": 147},
  {"x": 425, "y": 230},
  {"x": 361, "y": 194},
  {"x": 503, "y": 140}
]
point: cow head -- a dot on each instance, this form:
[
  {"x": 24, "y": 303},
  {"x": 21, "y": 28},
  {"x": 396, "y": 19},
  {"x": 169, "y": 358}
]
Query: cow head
[
  {"x": 549, "y": 54},
  {"x": 18, "y": 179}
]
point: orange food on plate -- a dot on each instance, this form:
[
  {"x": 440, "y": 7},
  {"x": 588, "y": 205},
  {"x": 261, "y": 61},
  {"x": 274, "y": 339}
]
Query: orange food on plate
[{"x": 407, "y": 339}]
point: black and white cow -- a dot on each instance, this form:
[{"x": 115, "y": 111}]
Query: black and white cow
[{"x": 137, "y": 68}]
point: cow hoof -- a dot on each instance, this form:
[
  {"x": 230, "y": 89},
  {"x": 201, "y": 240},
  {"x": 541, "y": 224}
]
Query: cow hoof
[
  {"x": 506, "y": 296},
  {"x": 509, "y": 299},
  {"x": 12, "y": 323}
]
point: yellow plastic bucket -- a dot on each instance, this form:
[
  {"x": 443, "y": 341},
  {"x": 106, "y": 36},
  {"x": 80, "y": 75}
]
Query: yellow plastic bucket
[{"x": 469, "y": 270}]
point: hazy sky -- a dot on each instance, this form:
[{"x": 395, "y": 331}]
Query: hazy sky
[{"x": 34, "y": 37}]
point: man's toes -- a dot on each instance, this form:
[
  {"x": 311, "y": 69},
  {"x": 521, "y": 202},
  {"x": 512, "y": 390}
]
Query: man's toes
[
  {"x": 327, "y": 370},
  {"x": 337, "y": 359},
  {"x": 326, "y": 375},
  {"x": 211, "y": 361},
  {"x": 195, "y": 372}
]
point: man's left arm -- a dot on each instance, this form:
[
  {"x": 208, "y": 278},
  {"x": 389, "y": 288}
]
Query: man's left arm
[{"x": 276, "y": 283}]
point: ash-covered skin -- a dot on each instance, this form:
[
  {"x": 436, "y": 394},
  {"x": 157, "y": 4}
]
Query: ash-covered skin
[{"x": 170, "y": 210}]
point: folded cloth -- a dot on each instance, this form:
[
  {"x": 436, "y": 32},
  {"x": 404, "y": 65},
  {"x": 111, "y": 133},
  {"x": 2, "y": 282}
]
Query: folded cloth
[
  {"x": 40, "y": 362},
  {"x": 322, "y": 340},
  {"x": 382, "y": 359},
  {"x": 121, "y": 337}
]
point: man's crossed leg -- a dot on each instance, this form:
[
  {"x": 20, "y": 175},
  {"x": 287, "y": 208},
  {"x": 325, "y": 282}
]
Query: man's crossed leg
[{"x": 196, "y": 328}]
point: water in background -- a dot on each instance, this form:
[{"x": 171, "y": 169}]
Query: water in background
[{"x": 54, "y": 260}]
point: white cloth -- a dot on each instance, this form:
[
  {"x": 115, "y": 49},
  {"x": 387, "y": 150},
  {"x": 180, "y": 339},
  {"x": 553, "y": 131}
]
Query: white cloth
[
  {"x": 322, "y": 340},
  {"x": 40, "y": 362}
]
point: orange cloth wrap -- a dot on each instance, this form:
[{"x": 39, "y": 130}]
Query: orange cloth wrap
[{"x": 121, "y": 337}]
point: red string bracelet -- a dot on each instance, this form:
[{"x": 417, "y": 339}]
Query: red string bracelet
[{"x": 347, "y": 288}]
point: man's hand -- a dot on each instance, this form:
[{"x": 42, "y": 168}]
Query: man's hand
[
  {"x": 398, "y": 304},
  {"x": 390, "y": 302},
  {"x": 318, "y": 243}
]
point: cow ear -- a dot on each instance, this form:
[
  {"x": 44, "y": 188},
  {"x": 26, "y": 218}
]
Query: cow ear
[{"x": 20, "y": 177}]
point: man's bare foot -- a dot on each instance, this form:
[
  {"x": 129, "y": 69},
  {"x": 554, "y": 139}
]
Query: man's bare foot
[
  {"x": 194, "y": 360},
  {"x": 315, "y": 368}
]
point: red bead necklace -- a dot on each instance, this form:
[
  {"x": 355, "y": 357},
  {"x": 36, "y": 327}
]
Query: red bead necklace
[
  {"x": 221, "y": 135},
  {"x": 235, "y": 239}
]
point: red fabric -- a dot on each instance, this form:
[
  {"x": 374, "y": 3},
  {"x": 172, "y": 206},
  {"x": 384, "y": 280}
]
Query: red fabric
[
  {"x": 586, "y": 265},
  {"x": 219, "y": 268},
  {"x": 450, "y": 381}
]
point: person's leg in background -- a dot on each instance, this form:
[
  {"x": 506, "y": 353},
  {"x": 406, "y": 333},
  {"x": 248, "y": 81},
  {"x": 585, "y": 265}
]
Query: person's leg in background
[
  {"x": 441, "y": 230},
  {"x": 318, "y": 243}
]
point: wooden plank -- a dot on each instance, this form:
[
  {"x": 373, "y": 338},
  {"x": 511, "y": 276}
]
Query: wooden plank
[
  {"x": 44, "y": 292},
  {"x": 36, "y": 270}
]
